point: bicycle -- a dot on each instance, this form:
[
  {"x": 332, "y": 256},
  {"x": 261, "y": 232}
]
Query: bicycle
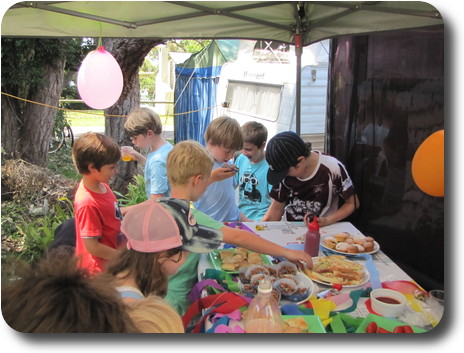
[{"x": 61, "y": 137}]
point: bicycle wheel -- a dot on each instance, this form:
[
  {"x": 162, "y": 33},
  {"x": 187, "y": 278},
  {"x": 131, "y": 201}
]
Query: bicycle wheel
[
  {"x": 56, "y": 141},
  {"x": 68, "y": 136}
]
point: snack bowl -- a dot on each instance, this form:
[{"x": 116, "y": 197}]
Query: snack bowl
[
  {"x": 285, "y": 286},
  {"x": 248, "y": 290},
  {"x": 255, "y": 269},
  {"x": 272, "y": 270},
  {"x": 286, "y": 268},
  {"x": 292, "y": 277},
  {"x": 305, "y": 288},
  {"x": 254, "y": 280},
  {"x": 387, "y": 302},
  {"x": 242, "y": 274}
]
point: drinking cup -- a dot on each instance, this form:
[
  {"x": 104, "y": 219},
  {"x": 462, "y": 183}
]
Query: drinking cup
[
  {"x": 436, "y": 302},
  {"x": 125, "y": 154}
]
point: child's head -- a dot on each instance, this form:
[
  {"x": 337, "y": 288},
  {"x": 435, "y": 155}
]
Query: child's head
[
  {"x": 188, "y": 159},
  {"x": 223, "y": 138},
  {"x": 154, "y": 315},
  {"x": 254, "y": 133},
  {"x": 156, "y": 231},
  {"x": 285, "y": 151},
  {"x": 94, "y": 148},
  {"x": 255, "y": 137},
  {"x": 55, "y": 296},
  {"x": 141, "y": 120},
  {"x": 165, "y": 223}
]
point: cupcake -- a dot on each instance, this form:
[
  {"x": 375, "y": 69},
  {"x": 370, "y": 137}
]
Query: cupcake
[
  {"x": 352, "y": 249},
  {"x": 341, "y": 236},
  {"x": 330, "y": 242},
  {"x": 368, "y": 246},
  {"x": 343, "y": 247}
]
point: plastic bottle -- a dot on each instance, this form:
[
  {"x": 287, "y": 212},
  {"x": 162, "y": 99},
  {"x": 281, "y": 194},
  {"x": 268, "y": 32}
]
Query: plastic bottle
[
  {"x": 263, "y": 314},
  {"x": 313, "y": 238}
]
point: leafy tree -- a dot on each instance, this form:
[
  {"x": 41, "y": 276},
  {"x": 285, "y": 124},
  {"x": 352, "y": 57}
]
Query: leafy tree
[{"x": 33, "y": 70}]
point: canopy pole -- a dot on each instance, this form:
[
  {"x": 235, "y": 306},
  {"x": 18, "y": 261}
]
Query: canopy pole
[{"x": 298, "y": 52}]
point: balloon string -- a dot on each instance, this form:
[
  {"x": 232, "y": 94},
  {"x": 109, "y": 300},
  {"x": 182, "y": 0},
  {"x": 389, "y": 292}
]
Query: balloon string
[
  {"x": 89, "y": 113},
  {"x": 100, "y": 37}
]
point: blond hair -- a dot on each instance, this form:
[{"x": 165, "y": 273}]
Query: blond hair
[
  {"x": 154, "y": 315},
  {"x": 254, "y": 133},
  {"x": 225, "y": 132},
  {"x": 140, "y": 120},
  {"x": 187, "y": 159}
]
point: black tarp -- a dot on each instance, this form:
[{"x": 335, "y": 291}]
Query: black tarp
[{"x": 386, "y": 97}]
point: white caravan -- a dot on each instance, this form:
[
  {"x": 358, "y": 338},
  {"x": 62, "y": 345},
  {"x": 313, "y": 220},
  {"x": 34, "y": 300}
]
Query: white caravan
[{"x": 250, "y": 89}]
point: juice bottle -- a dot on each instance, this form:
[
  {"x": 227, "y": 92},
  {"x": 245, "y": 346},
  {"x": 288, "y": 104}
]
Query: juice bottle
[{"x": 263, "y": 314}]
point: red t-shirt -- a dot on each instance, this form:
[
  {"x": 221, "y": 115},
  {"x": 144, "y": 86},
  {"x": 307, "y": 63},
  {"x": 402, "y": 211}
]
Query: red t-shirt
[{"x": 97, "y": 215}]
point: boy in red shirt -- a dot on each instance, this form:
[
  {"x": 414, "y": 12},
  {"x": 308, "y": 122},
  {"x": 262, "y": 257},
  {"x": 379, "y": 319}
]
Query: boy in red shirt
[{"x": 96, "y": 209}]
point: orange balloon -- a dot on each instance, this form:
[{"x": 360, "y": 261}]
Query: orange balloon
[{"x": 428, "y": 165}]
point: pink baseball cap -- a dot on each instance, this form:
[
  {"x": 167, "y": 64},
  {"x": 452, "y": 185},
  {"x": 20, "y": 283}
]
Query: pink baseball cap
[{"x": 167, "y": 223}]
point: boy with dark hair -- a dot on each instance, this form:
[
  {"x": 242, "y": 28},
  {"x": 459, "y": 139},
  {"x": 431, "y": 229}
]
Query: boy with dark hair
[
  {"x": 307, "y": 182},
  {"x": 97, "y": 214}
]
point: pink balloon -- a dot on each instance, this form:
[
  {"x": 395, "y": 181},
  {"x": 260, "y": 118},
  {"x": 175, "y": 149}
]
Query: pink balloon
[{"x": 99, "y": 80}]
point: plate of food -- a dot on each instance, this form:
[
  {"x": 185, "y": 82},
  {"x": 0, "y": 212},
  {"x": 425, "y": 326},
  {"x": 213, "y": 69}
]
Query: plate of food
[
  {"x": 346, "y": 244},
  {"x": 231, "y": 260},
  {"x": 336, "y": 269}
]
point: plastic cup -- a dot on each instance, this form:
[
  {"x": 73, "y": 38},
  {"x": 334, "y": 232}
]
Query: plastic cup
[
  {"x": 125, "y": 154},
  {"x": 436, "y": 302}
]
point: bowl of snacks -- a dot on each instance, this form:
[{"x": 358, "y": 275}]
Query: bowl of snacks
[
  {"x": 286, "y": 268},
  {"x": 285, "y": 286}
]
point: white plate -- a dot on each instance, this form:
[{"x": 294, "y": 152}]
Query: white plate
[
  {"x": 376, "y": 248},
  {"x": 364, "y": 280}
]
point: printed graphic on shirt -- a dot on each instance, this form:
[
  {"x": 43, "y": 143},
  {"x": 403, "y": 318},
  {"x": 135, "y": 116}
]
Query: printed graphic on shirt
[
  {"x": 249, "y": 187},
  {"x": 118, "y": 213}
]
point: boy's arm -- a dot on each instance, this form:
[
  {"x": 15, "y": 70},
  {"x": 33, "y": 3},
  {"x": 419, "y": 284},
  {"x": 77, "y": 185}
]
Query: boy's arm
[
  {"x": 255, "y": 243},
  {"x": 350, "y": 205},
  {"x": 220, "y": 173},
  {"x": 98, "y": 249},
  {"x": 274, "y": 212}
]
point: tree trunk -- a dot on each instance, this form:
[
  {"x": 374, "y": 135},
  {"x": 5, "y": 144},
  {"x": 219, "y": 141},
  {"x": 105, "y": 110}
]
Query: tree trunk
[
  {"x": 11, "y": 122},
  {"x": 130, "y": 54},
  {"x": 39, "y": 120}
]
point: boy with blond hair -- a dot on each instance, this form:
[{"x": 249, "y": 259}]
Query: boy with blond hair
[
  {"x": 144, "y": 128},
  {"x": 96, "y": 209},
  {"x": 251, "y": 178},
  {"x": 189, "y": 169},
  {"x": 223, "y": 138}
]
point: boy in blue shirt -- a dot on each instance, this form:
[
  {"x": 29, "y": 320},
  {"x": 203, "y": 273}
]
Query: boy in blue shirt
[
  {"x": 144, "y": 128},
  {"x": 251, "y": 178}
]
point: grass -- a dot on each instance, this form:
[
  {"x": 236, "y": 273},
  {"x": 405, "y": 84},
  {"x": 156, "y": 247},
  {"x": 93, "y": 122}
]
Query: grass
[{"x": 96, "y": 118}]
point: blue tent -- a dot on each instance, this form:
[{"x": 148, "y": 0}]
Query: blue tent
[{"x": 195, "y": 89}]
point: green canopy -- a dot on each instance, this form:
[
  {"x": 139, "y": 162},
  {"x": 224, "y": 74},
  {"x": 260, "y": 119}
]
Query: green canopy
[{"x": 268, "y": 20}]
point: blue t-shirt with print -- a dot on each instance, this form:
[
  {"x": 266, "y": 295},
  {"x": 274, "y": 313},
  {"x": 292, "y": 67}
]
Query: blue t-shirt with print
[{"x": 253, "y": 188}]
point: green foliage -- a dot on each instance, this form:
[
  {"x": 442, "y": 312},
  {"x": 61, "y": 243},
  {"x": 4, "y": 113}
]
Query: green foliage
[
  {"x": 34, "y": 234},
  {"x": 135, "y": 192}
]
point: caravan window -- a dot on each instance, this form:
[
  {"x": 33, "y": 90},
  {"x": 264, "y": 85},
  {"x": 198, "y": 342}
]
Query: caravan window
[{"x": 259, "y": 100}]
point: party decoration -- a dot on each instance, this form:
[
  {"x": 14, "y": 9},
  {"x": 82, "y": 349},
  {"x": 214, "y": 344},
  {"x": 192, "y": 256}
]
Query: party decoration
[
  {"x": 428, "y": 165},
  {"x": 99, "y": 80}
]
